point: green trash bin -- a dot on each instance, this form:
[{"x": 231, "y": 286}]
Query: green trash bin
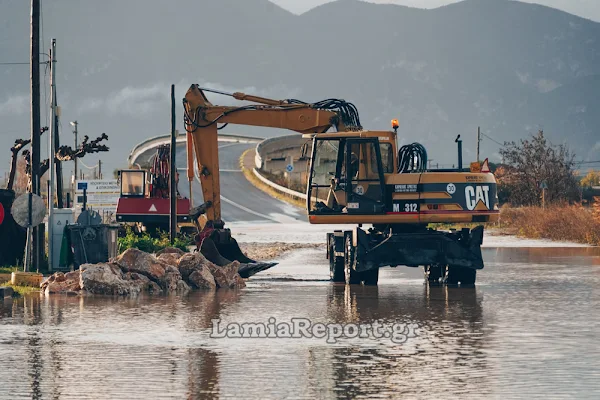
[{"x": 93, "y": 244}]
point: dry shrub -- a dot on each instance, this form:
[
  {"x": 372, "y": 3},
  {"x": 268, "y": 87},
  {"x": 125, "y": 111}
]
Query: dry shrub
[{"x": 557, "y": 222}]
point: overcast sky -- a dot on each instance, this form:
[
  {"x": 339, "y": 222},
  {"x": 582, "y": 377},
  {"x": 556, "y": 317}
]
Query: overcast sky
[{"x": 584, "y": 8}]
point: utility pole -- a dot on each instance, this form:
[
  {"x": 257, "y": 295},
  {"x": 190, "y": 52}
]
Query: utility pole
[
  {"x": 52, "y": 152},
  {"x": 173, "y": 172},
  {"x": 76, "y": 178},
  {"x": 59, "y": 173},
  {"x": 35, "y": 121},
  {"x": 478, "y": 141}
]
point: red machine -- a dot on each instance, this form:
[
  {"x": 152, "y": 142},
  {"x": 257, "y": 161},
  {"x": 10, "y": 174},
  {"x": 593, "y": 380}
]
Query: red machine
[{"x": 144, "y": 200}]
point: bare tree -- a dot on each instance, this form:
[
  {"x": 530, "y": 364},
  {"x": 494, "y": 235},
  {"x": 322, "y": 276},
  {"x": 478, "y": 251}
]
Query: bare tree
[
  {"x": 19, "y": 145},
  {"x": 532, "y": 163},
  {"x": 66, "y": 153}
]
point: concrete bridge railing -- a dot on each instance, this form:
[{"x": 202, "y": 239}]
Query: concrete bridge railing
[
  {"x": 278, "y": 148},
  {"x": 274, "y": 154},
  {"x": 151, "y": 143}
]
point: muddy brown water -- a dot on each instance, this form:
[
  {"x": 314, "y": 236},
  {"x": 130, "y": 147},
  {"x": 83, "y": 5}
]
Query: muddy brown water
[{"x": 530, "y": 329}]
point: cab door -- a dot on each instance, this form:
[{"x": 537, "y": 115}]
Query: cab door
[{"x": 363, "y": 172}]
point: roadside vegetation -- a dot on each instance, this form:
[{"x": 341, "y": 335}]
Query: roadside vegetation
[
  {"x": 542, "y": 196},
  {"x": 148, "y": 244},
  {"x": 564, "y": 222}
]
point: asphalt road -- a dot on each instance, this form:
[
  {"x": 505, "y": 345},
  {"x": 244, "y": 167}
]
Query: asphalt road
[{"x": 240, "y": 201}]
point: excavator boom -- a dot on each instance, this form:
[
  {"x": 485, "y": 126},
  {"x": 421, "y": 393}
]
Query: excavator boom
[{"x": 202, "y": 119}]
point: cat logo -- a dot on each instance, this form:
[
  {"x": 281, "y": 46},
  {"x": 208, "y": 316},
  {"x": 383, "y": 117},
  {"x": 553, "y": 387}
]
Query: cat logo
[{"x": 477, "y": 198}]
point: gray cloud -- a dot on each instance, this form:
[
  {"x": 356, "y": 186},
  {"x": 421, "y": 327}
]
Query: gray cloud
[{"x": 15, "y": 105}]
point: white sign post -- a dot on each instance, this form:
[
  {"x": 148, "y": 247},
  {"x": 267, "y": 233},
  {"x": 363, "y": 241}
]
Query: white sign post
[{"x": 102, "y": 195}]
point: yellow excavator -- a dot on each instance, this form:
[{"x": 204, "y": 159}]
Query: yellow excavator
[{"x": 357, "y": 177}]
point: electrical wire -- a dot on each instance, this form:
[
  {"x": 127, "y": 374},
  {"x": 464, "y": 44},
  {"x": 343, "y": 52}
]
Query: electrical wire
[
  {"x": 412, "y": 158},
  {"x": 493, "y": 140}
]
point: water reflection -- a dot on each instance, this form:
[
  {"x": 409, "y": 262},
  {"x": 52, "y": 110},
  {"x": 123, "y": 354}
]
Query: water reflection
[
  {"x": 445, "y": 341},
  {"x": 529, "y": 328}
]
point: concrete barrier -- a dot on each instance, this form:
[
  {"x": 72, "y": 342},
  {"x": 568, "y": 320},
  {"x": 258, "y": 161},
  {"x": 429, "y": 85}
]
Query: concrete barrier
[
  {"x": 278, "y": 146},
  {"x": 279, "y": 188}
]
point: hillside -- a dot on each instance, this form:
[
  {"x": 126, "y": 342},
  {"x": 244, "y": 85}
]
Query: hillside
[{"x": 510, "y": 67}]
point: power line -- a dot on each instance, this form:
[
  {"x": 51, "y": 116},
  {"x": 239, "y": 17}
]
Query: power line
[
  {"x": 493, "y": 140},
  {"x": 587, "y": 162},
  {"x": 23, "y": 63}
]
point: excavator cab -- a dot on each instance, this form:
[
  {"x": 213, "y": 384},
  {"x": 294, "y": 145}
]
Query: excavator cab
[{"x": 347, "y": 175}]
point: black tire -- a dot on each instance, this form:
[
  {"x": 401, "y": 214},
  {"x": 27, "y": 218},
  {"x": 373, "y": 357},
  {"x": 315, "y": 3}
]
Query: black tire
[
  {"x": 336, "y": 264},
  {"x": 371, "y": 277},
  {"x": 351, "y": 276},
  {"x": 459, "y": 275},
  {"x": 433, "y": 274}
]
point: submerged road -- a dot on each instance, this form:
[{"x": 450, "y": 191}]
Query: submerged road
[{"x": 241, "y": 202}]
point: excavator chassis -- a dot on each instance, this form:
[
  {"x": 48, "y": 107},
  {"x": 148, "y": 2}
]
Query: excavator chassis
[{"x": 447, "y": 257}]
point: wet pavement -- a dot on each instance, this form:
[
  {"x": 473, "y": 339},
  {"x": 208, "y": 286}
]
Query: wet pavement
[{"x": 528, "y": 330}]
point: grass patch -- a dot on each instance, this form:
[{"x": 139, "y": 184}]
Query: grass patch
[
  {"x": 21, "y": 290},
  {"x": 10, "y": 270},
  {"x": 558, "y": 222}
]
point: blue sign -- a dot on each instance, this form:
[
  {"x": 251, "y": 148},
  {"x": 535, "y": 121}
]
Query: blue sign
[
  {"x": 82, "y": 185},
  {"x": 289, "y": 168}
]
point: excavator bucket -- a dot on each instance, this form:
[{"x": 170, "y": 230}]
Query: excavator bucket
[{"x": 221, "y": 249}]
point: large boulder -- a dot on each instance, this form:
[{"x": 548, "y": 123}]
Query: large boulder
[
  {"x": 169, "y": 258},
  {"x": 201, "y": 278},
  {"x": 106, "y": 279},
  {"x": 191, "y": 262},
  {"x": 182, "y": 287},
  {"x": 143, "y": 282},
  {"x": 134, "y": 260},
  {"x": 227, "y": 276},
  {"x": 171, "y": 250},
  {"x": 170, "y": 279},
  {"x": 62, "y": 283}
]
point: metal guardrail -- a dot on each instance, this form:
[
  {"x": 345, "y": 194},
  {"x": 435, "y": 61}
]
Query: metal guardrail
[{"x": 151, "y": 143}]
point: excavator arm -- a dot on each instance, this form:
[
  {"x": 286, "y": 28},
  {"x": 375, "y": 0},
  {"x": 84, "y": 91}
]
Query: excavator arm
[{"x": 202, "y": 119}]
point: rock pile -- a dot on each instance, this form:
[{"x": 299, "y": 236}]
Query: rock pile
[{"x": 135, "y": 271}]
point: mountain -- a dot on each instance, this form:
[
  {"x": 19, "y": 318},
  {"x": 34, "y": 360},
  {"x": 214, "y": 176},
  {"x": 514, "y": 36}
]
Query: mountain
[{"x": 507, "y": 66}]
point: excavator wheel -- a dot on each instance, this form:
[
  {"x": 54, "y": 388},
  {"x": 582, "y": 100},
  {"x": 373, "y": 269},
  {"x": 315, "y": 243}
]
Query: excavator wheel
[
  {"x": 352, "y": 277},
  {"x": 371, "y": 277},
  {"x": 460, "y": 275},
  {"x": 434, "y": 274},
  {"x": 336, "y": 263}
]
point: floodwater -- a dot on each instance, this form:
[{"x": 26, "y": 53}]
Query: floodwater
[{"x": 530, "y": 329}]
